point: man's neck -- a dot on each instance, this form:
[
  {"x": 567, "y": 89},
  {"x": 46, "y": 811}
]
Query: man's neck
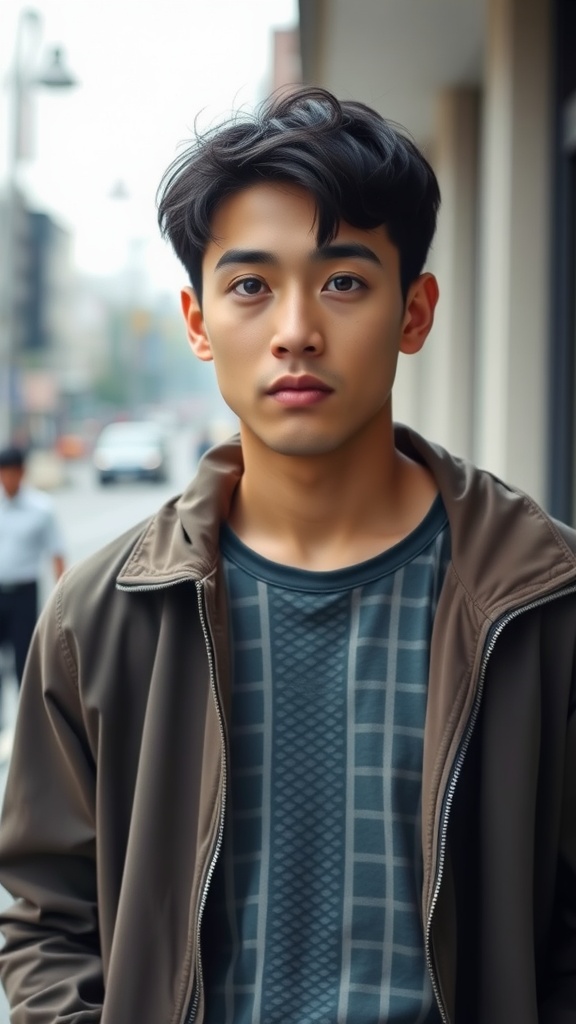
[{"x": 329, "y": 511}]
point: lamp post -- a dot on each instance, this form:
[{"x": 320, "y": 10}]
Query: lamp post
[{"x": 22, "y": 81}]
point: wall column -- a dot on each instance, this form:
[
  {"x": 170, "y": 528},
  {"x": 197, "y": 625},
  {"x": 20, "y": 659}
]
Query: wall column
[
  {"x": 511, "y": 423},
  {"x": 446, "y": 363}
]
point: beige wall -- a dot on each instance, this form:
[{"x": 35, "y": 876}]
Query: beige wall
[
  {"x": 511, "y": 421},
  {"x": 435, "y": 393},
  {"x": 480, "y": 386}
]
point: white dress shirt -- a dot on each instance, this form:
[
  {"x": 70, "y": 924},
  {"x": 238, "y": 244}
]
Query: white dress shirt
[{"x": 29, "y": 534}]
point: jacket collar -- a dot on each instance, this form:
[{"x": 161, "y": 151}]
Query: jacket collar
[
  {"x": 181, "y": 542},
  {"x": 505, "y": 550}
]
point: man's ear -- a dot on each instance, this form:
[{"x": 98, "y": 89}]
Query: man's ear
[
  {"x": 419, "y": 313},
  {"x": 195, "y": 326}
]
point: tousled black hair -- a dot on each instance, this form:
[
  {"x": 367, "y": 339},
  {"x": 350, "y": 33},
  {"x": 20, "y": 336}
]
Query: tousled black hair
[{"x": 358, "y": 167}]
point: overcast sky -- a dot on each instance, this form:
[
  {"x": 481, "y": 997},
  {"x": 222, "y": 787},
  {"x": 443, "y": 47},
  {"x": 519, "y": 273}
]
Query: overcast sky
[{"x": 146, "y": 69}]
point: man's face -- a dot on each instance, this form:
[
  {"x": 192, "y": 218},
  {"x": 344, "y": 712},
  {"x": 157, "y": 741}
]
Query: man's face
[
  {"x": 304, "y": 340},
  {"x": 10, "y": 479}
]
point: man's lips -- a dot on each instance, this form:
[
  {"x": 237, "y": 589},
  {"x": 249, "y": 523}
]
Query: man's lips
[
  {"x": 303, "y": 383},
  {"x": 298, "y": 392}
]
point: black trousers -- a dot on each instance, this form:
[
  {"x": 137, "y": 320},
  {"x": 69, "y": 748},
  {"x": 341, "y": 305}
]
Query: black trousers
[{"x": 18, "y": 614}]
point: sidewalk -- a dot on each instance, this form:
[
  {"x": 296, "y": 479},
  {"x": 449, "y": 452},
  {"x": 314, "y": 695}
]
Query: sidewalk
[
  {"x": 9, "y": 699},
  {"x": 6, "y": 738}
]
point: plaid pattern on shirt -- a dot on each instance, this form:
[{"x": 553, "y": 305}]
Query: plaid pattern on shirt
[{"x": 314, "y": 909}]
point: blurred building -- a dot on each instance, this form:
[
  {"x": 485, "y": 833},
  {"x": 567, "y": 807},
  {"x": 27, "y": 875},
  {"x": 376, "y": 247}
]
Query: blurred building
[
  {"x": 41, "y": 317},
  {"x": 488, "y": 90},
  {"x": 46, "y": 284}
]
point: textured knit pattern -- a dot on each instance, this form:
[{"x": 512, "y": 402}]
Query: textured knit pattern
[{"x": 313, "y": 913}]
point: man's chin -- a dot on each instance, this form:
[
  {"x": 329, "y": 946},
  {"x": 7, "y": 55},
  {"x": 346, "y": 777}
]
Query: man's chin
[
  {"x": 303, "y": 447},
  {"x": 297, "y": 443}
]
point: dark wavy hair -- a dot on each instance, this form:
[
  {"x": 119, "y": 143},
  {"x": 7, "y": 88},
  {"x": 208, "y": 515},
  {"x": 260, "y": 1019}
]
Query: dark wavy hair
[{"x": 358, "y": 167}]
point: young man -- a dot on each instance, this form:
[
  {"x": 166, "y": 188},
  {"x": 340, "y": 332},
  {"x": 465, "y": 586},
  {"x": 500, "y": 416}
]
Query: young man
[{"x": 303, "y": 746}]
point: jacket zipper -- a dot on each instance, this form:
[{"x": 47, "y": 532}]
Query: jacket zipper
[
  {"x": 195, "y": 998},
  {"x": 191, "y": 1015},
  {"x": 457, "y": 769}
]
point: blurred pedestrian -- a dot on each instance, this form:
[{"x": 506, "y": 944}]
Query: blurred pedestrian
[
  {"x": 302, "y": 746},
  {"x": 29, "y": 535}
]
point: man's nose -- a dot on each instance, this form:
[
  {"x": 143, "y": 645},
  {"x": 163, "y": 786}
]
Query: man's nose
[{"x": 298, "y": 330}]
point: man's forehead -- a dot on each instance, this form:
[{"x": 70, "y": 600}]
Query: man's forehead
[
  {"x": 262, "y": 204},
  {"x": 261, "y": 217}
]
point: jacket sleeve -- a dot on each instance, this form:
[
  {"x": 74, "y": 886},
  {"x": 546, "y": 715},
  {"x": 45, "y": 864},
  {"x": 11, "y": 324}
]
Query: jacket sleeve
[{"x": 50, "y": 965}]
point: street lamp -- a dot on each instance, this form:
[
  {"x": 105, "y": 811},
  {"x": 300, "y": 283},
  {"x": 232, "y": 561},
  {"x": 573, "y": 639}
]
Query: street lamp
[
  {"x": 22, "y": 81},
  {"x": 56, "y": 74}
]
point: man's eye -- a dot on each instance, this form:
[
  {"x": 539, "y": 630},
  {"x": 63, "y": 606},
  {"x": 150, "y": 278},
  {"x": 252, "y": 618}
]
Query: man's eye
[
  {"x": 343, "y": 283},
  {"x": 249, "y": 286}
]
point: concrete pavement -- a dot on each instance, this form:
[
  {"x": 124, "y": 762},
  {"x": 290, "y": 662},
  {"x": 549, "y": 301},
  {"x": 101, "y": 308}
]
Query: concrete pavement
[
  {"x": 9, "y": 707},
  {"x": 6, "y": 738}
]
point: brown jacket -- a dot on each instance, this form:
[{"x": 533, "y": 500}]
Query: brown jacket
[{"x": 116, "y": 793}]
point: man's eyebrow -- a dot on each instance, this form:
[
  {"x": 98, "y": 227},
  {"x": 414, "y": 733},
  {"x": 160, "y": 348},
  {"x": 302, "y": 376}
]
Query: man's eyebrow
[
  {"x": 345, "y": 250},
  {"x": 331, "y": 251},
  {"x": 232, "y": 256}
]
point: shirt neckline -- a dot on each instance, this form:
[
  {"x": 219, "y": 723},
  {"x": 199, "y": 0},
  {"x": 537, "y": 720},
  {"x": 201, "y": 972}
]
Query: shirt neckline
[{"x": 277, "y": 574}]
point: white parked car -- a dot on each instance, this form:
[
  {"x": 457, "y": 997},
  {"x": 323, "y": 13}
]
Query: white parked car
[{"x": 131, "y": 450}]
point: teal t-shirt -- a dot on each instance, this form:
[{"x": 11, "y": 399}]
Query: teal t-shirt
[{"x": 313, "y": 913}]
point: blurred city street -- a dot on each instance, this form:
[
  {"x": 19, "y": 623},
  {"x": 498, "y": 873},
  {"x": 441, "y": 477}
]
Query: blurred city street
[{"x": 91, "y": 515}]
